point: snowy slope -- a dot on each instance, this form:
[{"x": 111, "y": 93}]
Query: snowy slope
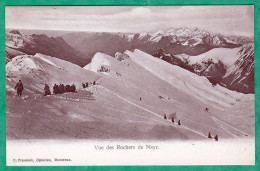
[
  {"x": 226, "y": 55},
  {"x": 37, "y": 70},
  {"x": 159, "y": 88},
  {"x": 233, "y": 68},
  {"x": 128, "y": 102},
  {"x": 18, "y": 43},
  {"x": 192, "y": 84},
  {"x": 21, "y": 64},
  {"x": 10, "y": 53},
  {"x": 100, "y": 62},
  {"x": 14, "y": 39},
  {"x": 45, "y": 59}
]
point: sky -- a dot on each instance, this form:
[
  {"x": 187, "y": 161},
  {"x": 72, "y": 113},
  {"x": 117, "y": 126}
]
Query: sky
[{"x": 228, "y": 20}]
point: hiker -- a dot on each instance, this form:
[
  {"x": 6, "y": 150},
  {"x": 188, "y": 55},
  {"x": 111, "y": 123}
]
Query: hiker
[
  {"x": 179, "y": 122},
  {"x": 173, "y": 119},
  {"x": 94, "y": 83},
  {"x": 86, "y": 84},
  {"x": 19, "y": 88},
  {"x": 55, "y": 89},
  {"x": 207, "y": 109},
  {"x": 73, "y": 88},
  {"x": 140, "y": 98},
  {"x": 209, "y": 135},
  {"x": 165, "y": 117},
  {"x": 67, "y": 88},
  {"x": 47, "y": 90},
  {"x": 216, "y": 138},
  {"x": 83, "y": 85},
  {"x": 61, "y": 88}
]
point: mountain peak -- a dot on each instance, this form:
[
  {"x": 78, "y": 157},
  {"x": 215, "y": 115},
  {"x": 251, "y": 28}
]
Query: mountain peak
[{"x": 15, "y": 32}]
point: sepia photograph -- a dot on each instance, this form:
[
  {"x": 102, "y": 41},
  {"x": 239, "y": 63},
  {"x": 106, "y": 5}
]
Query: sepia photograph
[{"x": 105, "y": 85}]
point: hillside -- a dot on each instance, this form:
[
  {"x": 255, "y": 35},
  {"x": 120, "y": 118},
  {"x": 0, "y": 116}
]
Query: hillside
[
  {"x": 217, "y": 65},
  {"x": 172, "y": 89},
  {"x": 18, "y": 44},
  {"x": 241, "y": 74},
  {"x": 128, "y": 101},
  {"x": 37, "y": 70}
]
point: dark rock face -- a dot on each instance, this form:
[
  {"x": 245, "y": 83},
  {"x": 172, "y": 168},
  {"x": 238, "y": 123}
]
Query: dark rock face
[
  {"x": 56, "y": 47},
  {"x": 173, "y": 60},
  {"x": 215, "y": 72},
  {"x": 239, "y": 77}
]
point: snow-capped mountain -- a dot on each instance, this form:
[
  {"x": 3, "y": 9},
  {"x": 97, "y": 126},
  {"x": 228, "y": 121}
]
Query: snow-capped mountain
[
  {"x": 192, "y": 84},
  {"x": 19, "y": 44},
  {"x": 80, "y": 47},
  {"x": 191, "y": 41},
  {"x": 194, "y": 49},
  {"x": 37, "y": 70},
  {"x": 130, "y": 94},
  {"x": 232, "y": 68},
  {"x": 167, "y": 86}
]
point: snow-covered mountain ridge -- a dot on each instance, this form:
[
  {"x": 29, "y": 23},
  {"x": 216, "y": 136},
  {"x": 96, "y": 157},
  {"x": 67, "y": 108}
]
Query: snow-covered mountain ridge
[
  {"x": 191, "y": 41},
  {"x": 18, "y": 43},
  {"x": 232, "y": 68},
  {"x": 131, "y": 96}
]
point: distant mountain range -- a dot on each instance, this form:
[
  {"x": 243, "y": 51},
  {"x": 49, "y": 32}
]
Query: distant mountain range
[
  {"x": 225, "y": 60},
  {"x": 80, "y": 47},
  {"x": 175, "y": 41}
]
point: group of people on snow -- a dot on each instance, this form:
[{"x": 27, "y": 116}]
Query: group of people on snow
[
  {"x": 85, "y": 85},
  {"x": 59, "y": 89},
  {"x": 216, "y": 136},
  {"x": 179, "y": 123},
  {"x": 165, "y": 117}
]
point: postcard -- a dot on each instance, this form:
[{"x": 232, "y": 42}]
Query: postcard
[{"x": 130, "y": 85}]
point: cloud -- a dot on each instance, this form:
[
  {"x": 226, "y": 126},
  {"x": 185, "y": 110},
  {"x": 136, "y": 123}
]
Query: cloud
[{"x": 224, "y": 19}]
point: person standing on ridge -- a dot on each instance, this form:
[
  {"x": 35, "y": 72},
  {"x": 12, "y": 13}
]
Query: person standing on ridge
[
  {"x": 73, "y": 88},
  {"x": 19, "y": 88},
  {"x": 61, "y": 88},
  {"x": 47, "y": 90},
  {"x": 216, "y": 138},
  {"x": 209, "y": 135},
  {"x": 55, "y": 89}
]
